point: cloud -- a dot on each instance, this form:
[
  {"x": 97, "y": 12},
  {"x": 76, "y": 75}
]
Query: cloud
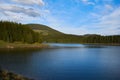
[
  {"x": 87, "y": 2},
  {"x": 103, "y": 19},
  {"x": 112, "y": 19},
  {"x": 17, "y": 9},
  {"x": 109, "y": 7},
  {"x": 105, "y": 24},
  {"x": 108, "y": 24},
  {"x": 22, "y": 13},
  {"x": 102, "y": 10},
  {"x": 17, "y": 17},
  {"x": 30, "y": 2},
  {"x": 95, "y": 15}
]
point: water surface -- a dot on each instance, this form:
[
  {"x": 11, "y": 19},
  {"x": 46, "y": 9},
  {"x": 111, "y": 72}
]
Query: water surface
[{"x": 70, "y": 62}]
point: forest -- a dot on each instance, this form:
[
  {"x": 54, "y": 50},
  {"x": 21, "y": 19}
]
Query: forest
[{"x": 12, "y": 32}]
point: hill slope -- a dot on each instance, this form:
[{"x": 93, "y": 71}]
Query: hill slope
[
  {"x": 44, "y": 30},
  {"x": 48, "y": 34},
  {"x": 31, "y": 33}
]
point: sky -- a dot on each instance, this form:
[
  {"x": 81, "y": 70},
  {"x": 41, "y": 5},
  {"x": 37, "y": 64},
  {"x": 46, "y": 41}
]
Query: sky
[{"x": 77, "y": 17}]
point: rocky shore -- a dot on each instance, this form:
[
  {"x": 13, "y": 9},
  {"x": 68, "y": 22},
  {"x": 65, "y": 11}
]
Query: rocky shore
[{"x": 5, "y": 75}]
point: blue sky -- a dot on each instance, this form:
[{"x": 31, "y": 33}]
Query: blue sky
[{"x": 69, "y": 16}]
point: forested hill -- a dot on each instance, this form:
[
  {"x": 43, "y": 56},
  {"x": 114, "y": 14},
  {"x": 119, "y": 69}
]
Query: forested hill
[
  {"x": 50, "y": 35},
  {"x": 30, "y": 33},
  {"x": 11, "y": 32}
]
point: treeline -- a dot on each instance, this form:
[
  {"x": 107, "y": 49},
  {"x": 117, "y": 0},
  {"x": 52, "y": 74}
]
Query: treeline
[
  {"x": 115, "y": 39},
  {"x": 67, "y": 38},
  {"x": 11, "y": 31},
  {"x": 101, "y": 39}
]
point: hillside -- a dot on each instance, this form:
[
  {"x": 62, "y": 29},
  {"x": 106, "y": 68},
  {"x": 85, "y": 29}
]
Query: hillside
[
  {"x": 32, "y": 33},
  {"x": 48, "y": 34},
  {"x": 44, "y": 30}
]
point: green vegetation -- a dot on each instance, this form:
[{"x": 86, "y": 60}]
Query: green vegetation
[
  {"x": 21, "y": 45},
  {"x": 11, "y": 32},
  {"x": 58, "y": 37},
  {"x": 31, "y": 33},
  {"x": 42, "y": 29}
]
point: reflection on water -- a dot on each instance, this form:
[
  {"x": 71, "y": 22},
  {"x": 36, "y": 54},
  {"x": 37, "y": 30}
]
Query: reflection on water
[
  {"x": 83, "y": 63},
  {"x": 58, "y": 45},
  {"x": 95, "y": 46}
]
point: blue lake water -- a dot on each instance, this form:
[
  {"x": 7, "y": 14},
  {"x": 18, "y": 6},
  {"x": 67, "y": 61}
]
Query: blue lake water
[{"x": 65, "y": 62}]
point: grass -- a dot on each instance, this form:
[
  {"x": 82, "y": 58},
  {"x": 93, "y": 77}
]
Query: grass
[{"x": 4, "y": 44}]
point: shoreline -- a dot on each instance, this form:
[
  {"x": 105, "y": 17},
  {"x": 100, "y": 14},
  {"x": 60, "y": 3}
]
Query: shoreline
[
  {"x": 20, "y": 45},
  {"x": 104, "y": 44},
  {"x": 7, "y": 75},
  {"x": 6, "y": 45}
]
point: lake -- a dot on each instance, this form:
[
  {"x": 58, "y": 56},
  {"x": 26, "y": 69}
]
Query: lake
[{"x": 65, "y": 62}]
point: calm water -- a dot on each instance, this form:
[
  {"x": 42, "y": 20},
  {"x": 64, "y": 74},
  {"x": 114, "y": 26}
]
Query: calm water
[{"x": 65, "y": 62}]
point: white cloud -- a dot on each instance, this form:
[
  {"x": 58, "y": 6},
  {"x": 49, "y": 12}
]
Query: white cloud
[
  {"x": 112, "y": 18},
  {"x": 105, "y": 20},
  {"x": 109, "y": 7},
  {"x": 108, "y": 24},
  {"x": 23, "y": 11},
  {"x": 30, "y": 2},
  {"x": 18, "y": 17},
  {"x": 88, "y": 2},
  {"x": 17, "y": 9},
  {"x": 95, "y": 15},
  {"x": 102, "y": 10}
]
